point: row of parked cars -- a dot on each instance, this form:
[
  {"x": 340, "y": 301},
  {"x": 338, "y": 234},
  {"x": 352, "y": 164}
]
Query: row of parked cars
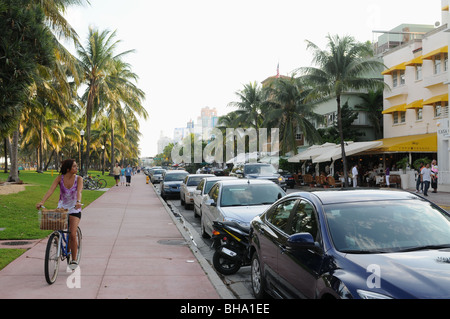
[{"x": 349, "y": 244}]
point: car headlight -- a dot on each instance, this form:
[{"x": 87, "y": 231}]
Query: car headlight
[
  {"x": 281, "y": 179},
  {"x": 364, "y": 294},
  {"x": 166, "y": 186}
]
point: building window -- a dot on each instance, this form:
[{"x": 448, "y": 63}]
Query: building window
[
  {"x": 437, "y": 64},
  {"x": 402, "y": 77},
  {"x": 419, "y": 114},
  {"x": 395, "y": 114},
  {"x": 445, "y": 61},
  {"x": 394, "y": 79},
  {"x": 418, "y": 72},
  {"x": 402, "y": 117},
  {"x": 441, "y": 109}
]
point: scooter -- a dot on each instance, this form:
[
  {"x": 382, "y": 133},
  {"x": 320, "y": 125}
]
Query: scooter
[{"x": 232, "y": 248}]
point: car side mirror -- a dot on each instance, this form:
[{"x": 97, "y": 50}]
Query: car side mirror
[
  {"x": 210, "y": 202},
  {"x": 301, "y": 241}
]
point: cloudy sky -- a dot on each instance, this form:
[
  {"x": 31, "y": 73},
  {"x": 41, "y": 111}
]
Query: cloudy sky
[{"x": 191, "y": 54}]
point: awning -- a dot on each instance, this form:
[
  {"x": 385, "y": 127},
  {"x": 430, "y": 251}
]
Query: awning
[
  {"x": 423, "y": 143},
  {"x": 415, "y": 105},
  {"x": 400, "y": 66},
  {"x": 418, "y": 60},
  {"x": 311, "y": 152},
  {"x": 351, "y": 148},
  {"x": 435, "y": 52},
  {"x": 435, "y": 99},
  {"x": 396, "y": 108}
]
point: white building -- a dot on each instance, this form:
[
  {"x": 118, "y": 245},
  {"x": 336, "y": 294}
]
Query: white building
[{"x": 415, "y": 112}]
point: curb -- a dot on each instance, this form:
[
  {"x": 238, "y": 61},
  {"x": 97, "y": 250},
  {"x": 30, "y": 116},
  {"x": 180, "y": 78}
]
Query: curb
[{"x": 187, "y": 232}]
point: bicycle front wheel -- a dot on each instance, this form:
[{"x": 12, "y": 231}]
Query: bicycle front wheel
[
  {"x": 101, "y": 183},
  {"x": 51, "y": 258}
]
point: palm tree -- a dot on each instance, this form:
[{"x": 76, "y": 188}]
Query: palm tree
[
  {"x": 120, "y": 97},
  {"x": 97, "y": 63},
  {"x": 348, "y": 65},
  {"x": 291, "y": 110},
  {"x": 249, "y": 107}
]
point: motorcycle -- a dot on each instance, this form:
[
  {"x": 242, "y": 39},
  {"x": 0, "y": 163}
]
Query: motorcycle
[{"x": 232, "y": 247}]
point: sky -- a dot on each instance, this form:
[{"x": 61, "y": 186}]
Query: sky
[{"x": 190, "y": 54}]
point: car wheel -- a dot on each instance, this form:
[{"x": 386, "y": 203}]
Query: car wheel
[
  {"x": 182, "y": 201},
  {"x": 196, "y": 214},
  {"x": 258, "y": 284}
]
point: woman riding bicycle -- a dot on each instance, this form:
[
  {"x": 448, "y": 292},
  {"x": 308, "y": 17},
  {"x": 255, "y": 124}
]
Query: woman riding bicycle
[{"x": 71, "y": 186}]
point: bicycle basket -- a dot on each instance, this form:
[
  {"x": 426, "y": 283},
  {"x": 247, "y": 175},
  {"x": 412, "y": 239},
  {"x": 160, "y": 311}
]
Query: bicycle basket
[{"x": 53, "y": 219}]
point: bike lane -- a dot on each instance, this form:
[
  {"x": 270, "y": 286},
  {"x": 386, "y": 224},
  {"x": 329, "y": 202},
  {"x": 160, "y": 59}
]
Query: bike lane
[{"x": 133, "y": 247}]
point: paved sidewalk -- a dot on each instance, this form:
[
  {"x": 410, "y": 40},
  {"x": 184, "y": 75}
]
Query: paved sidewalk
[{"x": 133, "y": 248}]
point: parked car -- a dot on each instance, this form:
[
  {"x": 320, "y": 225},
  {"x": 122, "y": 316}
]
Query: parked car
[
  {"x": 351, "y": 244},
  {"x": 262, "y": 171},
  {"x": 237, "y": 200},
  {"x": 188, "y": 187},
  {"x": 288, "y": 177},
  {"x": 156, "y": 175},
  {"x": 203, "y": 188},
  {"x": 217, "y": 171},
  {"x": 170, "y": 184}
]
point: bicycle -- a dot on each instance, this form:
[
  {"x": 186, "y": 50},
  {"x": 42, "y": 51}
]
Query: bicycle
[
  {"x": 101, "y": 183},
  {"x": 58, "y": 243},
  {"x": 93, "y": 183}
]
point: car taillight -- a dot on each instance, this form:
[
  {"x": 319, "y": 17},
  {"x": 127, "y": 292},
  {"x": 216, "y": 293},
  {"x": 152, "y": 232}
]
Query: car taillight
[{"x": 215, "y": 232}]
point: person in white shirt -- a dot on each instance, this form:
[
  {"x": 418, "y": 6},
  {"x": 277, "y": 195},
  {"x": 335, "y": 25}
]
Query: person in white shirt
[
  {"x": 426, "y": 178},
  {"x": 355, "y": 175}
]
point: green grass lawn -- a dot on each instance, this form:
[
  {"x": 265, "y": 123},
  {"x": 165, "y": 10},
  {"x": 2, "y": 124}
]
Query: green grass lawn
[{"x": 18, "y": 215}]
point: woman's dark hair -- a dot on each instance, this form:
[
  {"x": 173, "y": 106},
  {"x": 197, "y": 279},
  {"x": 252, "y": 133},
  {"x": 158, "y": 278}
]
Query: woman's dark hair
[{"x": 66, "y": 166}]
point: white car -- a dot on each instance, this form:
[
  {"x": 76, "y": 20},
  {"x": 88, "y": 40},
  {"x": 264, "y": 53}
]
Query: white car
[
  {"x": 156, "y": 175},
  {"x": 188, "y": 187},
  {"x": 203, "y": 189},
  {"x": 237, "y": 200}
]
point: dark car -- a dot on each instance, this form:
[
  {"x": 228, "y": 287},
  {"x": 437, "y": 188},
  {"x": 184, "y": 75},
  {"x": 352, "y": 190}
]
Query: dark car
[
  {"x": 264, "y": 171},
  {"x": 170, "y": 184},
  {"x": 352, "y": 244},
  {"x": 289, "y": 178}
]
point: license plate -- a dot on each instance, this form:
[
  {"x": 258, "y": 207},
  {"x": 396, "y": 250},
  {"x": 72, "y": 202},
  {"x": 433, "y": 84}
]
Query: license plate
[{"x": 228, "y": 252}]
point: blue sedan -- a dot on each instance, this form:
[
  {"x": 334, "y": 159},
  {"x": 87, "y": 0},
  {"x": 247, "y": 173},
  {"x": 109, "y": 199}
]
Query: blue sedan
[{"x": 352, "y": 244}]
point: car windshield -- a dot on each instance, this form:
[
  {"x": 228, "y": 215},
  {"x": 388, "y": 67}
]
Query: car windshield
[
  {"x": 194, "y": 180},
  {"x": 174, "y": 177},
  {"x": 260, "y": 169},
  {"x": 250, "y": 194},
  {"x": 376, "y": 227},
  {"x": 158, "y": 172}
]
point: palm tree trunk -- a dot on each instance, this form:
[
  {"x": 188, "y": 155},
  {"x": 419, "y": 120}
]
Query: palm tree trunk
[
  {"x": 113, "y": 158},
  {"x": 341, "y": 137},
  {"x": 13, "y": 173}
]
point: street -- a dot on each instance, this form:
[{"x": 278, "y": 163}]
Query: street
[{"x": 240, "y": 283}]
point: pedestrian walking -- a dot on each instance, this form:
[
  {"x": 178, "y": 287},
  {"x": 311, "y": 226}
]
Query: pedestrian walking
[
  {"x": 434, "y": 175},
  {"x": 355, "y": 175},
  {"x": 70, "y": 187},
  {"x": 419, "y": 184},
  {"x": 128, "y": 172},
  {"x": 122, "y": 175},
  {"x": 426, "y": 178},
  {"x": 388, "y": 172},
  {"x": 116, "y": 172}
]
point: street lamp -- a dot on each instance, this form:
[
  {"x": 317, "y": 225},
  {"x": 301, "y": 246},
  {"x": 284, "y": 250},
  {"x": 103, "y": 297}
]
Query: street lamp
[
  {"x": 81, "y": 160},
  {"x": 103, "y": 165}
]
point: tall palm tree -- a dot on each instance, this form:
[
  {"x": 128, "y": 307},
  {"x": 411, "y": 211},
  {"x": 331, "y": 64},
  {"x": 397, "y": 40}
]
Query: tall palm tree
[
  {"x": 97, "y": 62},
  {"x": 346, "y": 65},
  {"x": 120, "y": 97},
  {"x": 249, "y": 107},
  {"x": 290, "y": 110}
]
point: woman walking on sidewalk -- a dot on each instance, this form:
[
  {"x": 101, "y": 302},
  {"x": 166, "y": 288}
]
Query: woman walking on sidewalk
[
  {"x": 128, "y": 172},
  {"x": 70, "y": 186}
]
